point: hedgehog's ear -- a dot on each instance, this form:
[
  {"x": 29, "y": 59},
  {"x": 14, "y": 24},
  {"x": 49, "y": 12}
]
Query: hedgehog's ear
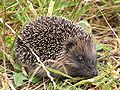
[{"x": 69, "y": 45}]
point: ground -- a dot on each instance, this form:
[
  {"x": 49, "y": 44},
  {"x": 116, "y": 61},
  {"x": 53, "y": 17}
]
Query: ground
[{"x": 101, "y": 17}]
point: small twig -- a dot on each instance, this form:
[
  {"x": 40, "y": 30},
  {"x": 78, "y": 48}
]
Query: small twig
[
  {"x": 75, "y": 9},
  {"x": 50, "y": 9},
  {"x": 9, "y": 82},
  {"x": 118, "y": 63},
  {"x": 41, "y": 7},
  {"x": 8, "y": 26},
  {"x": 30, "y": 5},
  {"x": 9, "y": 7},
  {"x": 31, "y": 78},
  {"x": 8, "y": 56},
  {"x": 23, "y": 9},
  {"x": 38, "y": 85},
  {"x": 48, "y": 73}
]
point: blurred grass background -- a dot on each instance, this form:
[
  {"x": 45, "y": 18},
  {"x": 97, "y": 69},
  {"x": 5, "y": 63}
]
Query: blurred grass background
[{"x": 101, "y": 17}]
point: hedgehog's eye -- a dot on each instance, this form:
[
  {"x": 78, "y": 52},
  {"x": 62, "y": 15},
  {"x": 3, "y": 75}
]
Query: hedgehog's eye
[{"x": 79, "y": 58}]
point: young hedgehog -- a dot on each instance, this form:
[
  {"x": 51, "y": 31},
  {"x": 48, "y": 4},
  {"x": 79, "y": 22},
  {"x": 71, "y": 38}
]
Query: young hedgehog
[{"x": 60, "y": 44}]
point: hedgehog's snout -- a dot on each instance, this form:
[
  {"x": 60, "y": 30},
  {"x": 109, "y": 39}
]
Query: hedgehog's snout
[
  {"x": 94, "y": 72},
  {"x": 93, "y": 68}
]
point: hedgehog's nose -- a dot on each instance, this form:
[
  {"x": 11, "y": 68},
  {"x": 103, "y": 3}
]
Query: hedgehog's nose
[{"x": 95, "y": 72}]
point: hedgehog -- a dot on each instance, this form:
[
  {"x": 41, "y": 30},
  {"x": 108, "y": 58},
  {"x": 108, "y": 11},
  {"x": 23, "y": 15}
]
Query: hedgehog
[{"x": 60, "y": 44}]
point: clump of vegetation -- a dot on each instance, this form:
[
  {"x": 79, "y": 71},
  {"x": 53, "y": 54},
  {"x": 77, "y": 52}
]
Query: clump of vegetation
[{"x": 101, "y": 17}]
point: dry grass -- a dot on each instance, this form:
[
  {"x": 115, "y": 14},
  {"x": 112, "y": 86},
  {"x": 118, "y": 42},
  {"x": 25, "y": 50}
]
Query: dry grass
[{"x": 104, "y": 20}]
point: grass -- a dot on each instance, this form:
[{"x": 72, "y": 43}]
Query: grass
[{"x": 101, "y": 17}]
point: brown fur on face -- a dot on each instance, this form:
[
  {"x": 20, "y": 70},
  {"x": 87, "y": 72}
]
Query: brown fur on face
[{"x": 82, "y": 56}]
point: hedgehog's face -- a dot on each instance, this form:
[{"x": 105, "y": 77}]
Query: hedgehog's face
[{"x": 81, "y": 55}]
